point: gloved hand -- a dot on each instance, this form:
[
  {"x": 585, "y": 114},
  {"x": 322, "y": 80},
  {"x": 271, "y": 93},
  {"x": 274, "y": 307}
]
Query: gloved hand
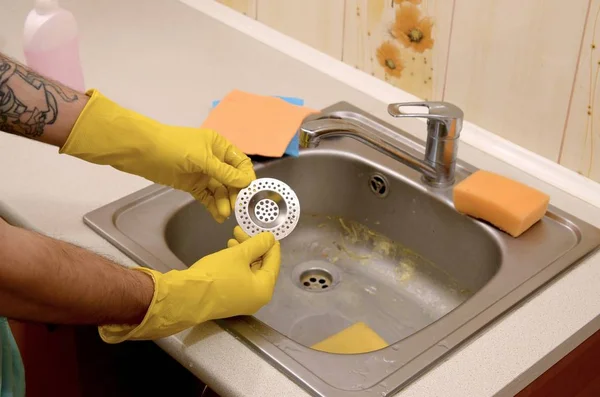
[
  {"x": 218, "y": 286},
  {"x": 239, "y": 237},
  {"x": 198, "y": 161}
]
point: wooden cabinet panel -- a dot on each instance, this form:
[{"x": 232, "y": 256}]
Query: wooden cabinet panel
[{"x": 581, "y": 148}]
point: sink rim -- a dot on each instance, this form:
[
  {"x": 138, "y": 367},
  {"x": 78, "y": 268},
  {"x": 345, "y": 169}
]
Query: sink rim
[
  {"x": 245, "y": 328},
  {"x": 271, "y": 345}
]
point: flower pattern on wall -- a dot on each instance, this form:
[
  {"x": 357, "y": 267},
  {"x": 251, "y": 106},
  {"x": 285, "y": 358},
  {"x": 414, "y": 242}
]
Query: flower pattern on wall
[
  {"x": 411, "y": 29},
  {"x": 388, "y": 56},
  {"x": 409, "y": 39},
  {"x": 392, "y": 40}
]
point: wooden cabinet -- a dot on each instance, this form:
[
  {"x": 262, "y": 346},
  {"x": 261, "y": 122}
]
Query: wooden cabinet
[
  {"x": 575, "y": 375},
  {"x": 73, "y": 362},
  {"x": 68, "y": 361}
]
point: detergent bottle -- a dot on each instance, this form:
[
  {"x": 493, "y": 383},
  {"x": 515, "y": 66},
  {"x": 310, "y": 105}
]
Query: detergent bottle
[{"x": 51, "y": 44}]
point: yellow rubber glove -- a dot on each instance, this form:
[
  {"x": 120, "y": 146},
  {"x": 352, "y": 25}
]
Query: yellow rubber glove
[
  {"x": 220, "y": 285},
  {"x": 239, "y": 237},
  {"x": 198, "y": 161}
]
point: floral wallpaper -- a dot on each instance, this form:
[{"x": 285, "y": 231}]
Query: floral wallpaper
[
  {"x": 405, "y": 50},
  {"x": 407, "y": 44},
  {"x": 390, "y": 39}
]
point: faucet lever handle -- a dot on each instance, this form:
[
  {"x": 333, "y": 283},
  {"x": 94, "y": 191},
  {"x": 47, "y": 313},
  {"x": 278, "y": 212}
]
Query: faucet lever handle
[{"x": 444, "y": 113}]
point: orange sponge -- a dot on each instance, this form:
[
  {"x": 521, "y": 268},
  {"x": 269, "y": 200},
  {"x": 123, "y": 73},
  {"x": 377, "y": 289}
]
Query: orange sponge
[{"x": 509, "y": 205}]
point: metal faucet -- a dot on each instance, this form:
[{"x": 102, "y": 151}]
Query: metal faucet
[{"x": 444, "y": 123}]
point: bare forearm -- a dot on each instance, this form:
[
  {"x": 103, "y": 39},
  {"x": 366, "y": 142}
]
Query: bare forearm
[
  {"x": 46, "y": 280},
  {"x": 36, "y": 107}
]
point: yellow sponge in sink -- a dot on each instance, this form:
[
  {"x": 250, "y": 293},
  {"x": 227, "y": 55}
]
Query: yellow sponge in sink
[
  {"x": 357, "y": 338},
  {"x": 507, "y": 204}
]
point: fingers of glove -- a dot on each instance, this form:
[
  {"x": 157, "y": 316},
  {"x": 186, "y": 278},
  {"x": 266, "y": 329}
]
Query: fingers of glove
[
  {"x": 233, "y": 195},
  {"x": 206, "y": 198},
  {"x": 233, "y": 156},
  {"x": 239, "y": 234},
  {"x": 254, "y": 265},
  {"x": 232, "y": 243},
  {"x": 239, "y": 237},
  {"x": 271, "y": 261},
  {"x": 221, "y": 196},
  {"x": 257, "y": 246},
  {"x": 227, "y": 174},
  {"x": 240, "y": 161},
  {"x": 235, "y": 169}
]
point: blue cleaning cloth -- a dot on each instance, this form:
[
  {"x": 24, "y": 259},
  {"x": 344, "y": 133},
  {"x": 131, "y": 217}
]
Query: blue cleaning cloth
[{"x": 293, "y": 148}]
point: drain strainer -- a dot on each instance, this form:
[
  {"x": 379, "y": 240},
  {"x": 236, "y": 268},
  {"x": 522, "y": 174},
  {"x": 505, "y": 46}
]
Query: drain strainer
[
  {"x": 267, "y": 204},
  {"x": 316, "y": 276},
  {"x": 316, "y": 279}
]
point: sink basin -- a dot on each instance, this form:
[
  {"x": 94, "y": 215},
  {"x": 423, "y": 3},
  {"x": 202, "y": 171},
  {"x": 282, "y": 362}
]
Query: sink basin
[{"x": 374, "y": 245}]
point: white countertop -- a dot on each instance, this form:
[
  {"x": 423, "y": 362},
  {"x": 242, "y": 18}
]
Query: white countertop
[{"x": 170, "y": 62}]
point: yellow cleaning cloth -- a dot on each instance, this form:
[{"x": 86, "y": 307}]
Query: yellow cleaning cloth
[
  {"x": 357, "y": 338},
  {"x": 257, "y": 124}
]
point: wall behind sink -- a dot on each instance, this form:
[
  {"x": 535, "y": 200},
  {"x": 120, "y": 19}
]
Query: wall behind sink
[{"x": 526, "y": 70}]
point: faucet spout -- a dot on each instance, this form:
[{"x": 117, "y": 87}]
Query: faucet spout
[
  {"x": 444, "y": 123},
  {"x": 312, "y": 131}
]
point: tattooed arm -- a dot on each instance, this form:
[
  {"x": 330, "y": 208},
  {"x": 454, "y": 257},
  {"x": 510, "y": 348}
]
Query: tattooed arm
[
  {"x": 34, "y": 106},
  {"x": 42, "y": 279}
]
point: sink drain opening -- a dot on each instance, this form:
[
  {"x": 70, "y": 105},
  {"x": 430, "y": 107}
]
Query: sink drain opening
[
  {"x": 379, "y": 185},
  {"x": 316, "y": 279},
  {"x": 316, "y": 276}
]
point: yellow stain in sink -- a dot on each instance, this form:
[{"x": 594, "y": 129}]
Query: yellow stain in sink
[
  {"x": 365, "y": 246},
  {"x": 352, "y": 254},
  {"x": 347, "y": 229},
  {"x": 355, "y": 232},
  {"x": 357, "y": 338},
  {"x": 384, "y": 247},
  {"x": 405, "y": 270}
]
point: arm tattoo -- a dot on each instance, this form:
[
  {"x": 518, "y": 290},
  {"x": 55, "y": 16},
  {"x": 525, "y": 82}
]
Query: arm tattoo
[{"x": 28, "y": 101}]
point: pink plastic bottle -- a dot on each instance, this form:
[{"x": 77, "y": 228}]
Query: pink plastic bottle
[{"x": 51, "y": 44}]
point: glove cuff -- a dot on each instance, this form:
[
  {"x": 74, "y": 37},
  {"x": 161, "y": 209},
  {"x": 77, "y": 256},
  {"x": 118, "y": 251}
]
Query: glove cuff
[
  {"x": 114, "y": 333},
  {"x": 106, "y": 133},
  {"x": 72, "y": 142},
  {"x": 169, "y": 311}
]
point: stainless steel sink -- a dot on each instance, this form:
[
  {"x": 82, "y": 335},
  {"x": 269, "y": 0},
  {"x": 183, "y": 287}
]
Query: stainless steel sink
[{"x": 374, "y": 244}]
